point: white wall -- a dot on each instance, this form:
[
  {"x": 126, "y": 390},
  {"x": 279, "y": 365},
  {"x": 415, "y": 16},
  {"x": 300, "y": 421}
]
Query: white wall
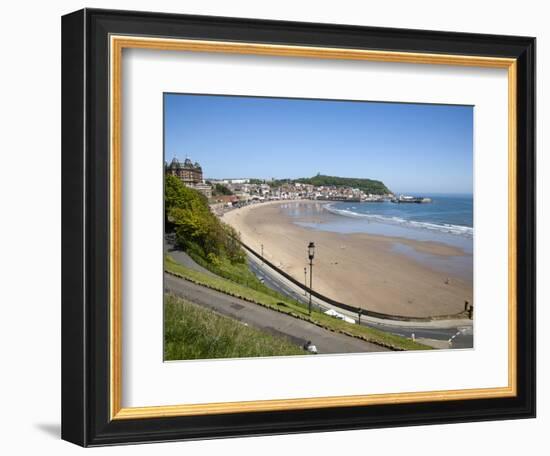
[{"x": 30, "y": 225}]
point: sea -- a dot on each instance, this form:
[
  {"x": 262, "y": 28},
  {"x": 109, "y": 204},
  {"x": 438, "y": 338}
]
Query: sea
[{"x": 448, "y": 219}]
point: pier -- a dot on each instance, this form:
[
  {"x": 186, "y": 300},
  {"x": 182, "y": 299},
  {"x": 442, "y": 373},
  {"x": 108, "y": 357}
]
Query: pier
[{"x": 411, "y": 199}]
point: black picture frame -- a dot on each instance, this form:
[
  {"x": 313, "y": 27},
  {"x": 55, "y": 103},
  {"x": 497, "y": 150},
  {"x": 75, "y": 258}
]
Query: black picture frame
[{"x": 85, "y": 228}]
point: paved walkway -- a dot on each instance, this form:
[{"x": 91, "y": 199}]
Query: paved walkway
[
  {"x": 298, "y": 331},
  {"x": 183, "y": 258}
]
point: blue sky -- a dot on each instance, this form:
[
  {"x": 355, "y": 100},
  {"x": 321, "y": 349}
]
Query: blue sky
[{"x": 410, "y": 147}]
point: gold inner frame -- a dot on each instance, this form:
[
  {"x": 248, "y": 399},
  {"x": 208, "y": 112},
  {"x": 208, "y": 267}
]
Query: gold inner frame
[{"x": 117, "y": 44}]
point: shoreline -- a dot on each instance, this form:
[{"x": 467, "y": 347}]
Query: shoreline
[{"x": 380, "y": 273}]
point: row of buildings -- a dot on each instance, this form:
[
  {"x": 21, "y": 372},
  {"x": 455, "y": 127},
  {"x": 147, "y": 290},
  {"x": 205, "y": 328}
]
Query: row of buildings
[{"x": 245, "y": 190}]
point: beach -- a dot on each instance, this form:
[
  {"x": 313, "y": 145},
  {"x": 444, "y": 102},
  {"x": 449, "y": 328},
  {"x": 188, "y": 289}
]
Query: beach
[{"x": 389, "y": 274}]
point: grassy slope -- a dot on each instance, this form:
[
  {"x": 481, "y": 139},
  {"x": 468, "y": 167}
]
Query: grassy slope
[
  {"x": 236, "y": 272},
  {"x": 192, "y": 332},
  {"x": 292, "y": 308}
]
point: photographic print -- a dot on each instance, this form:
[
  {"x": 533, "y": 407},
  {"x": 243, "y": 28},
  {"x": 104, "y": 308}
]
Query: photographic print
[{"x": 310, "y": 227}]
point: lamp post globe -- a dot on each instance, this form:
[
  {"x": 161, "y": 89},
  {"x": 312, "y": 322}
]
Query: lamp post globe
[{"x": 311, "y": 250}]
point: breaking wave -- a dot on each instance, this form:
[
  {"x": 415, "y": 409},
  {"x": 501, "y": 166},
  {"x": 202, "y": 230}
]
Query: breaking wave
[{"x": 440, "y": 227}]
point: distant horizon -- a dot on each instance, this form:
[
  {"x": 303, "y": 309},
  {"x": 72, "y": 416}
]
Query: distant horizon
[{"x": 416, "y": 148}]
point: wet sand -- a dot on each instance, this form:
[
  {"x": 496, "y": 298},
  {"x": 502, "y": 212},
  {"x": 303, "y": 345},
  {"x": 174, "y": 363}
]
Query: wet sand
[{"x": 359, "y": 269}]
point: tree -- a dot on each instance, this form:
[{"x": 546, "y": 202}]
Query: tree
[
  {"x": 220, "y": 189},
  {"x": 235, "y": 253},
  {"x": 188, "y": 213}
]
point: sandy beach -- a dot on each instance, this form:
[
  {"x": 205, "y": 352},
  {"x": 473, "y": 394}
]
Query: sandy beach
[{"x": 359, "y": 269}]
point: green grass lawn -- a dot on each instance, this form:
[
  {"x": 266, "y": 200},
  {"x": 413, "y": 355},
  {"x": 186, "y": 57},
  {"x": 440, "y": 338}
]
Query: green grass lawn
[
  {"x": 192, "y": 332},
  {"x": 236, "y": 272},
  {"x": 292, "y": 307}
]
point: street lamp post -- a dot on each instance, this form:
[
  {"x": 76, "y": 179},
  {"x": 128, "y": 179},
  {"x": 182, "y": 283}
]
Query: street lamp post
[
  {"x": 305, "y": 281},
  {"x": 311, "y": 255}
]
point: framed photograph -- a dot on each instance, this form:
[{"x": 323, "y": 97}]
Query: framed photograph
[{"x": 277, "y": 227}]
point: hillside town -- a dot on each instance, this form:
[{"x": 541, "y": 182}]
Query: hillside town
[
  {"x": 268, "y": 190},
  {"x": 226, "y": 193}
]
